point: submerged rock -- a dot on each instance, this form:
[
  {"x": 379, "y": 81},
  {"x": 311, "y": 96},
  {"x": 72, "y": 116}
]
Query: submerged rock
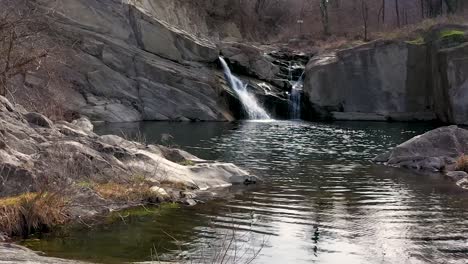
[
  {"x": 456, "y": 175},
  {"x": 11, "y": 253}
]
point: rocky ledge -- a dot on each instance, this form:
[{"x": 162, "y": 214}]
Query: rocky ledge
[
  {"x": 94, "y": 174},
  {"x": 440, "y": 150}
]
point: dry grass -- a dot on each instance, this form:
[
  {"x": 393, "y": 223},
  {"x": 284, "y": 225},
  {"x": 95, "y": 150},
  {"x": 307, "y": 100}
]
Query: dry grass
[
  {"x": 31, "y": 212},
  {"x": 135, "y": 190},
  {"x": 462, "y": 163},
  {"x": 175, "y": 185},
  {"x": 125, "y": 193},
  {"x": 410, "y": 32}
]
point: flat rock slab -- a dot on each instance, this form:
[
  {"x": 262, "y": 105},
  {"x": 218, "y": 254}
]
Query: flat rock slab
[{"x": 11, "y": 254}]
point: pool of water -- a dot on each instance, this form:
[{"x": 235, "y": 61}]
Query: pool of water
[{"x": 321, "y": 201}]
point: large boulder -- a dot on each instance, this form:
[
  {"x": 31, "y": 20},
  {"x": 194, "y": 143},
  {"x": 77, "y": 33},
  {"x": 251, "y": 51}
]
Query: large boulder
[{"x": 436, "y": 150}]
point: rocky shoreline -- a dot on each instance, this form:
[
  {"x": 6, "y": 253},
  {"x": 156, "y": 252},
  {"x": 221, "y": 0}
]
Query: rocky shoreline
[{"x": 85, "y": 175}]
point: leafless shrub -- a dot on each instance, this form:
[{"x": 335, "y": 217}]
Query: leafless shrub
[{"x": 28, "y": 56}]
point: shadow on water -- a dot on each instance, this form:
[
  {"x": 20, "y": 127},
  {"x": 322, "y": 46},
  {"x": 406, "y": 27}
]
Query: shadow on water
[{"x": 322, "y": 201}]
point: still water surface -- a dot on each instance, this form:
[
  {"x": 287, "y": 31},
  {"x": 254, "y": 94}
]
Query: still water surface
[{"x": 322, "y": 201}]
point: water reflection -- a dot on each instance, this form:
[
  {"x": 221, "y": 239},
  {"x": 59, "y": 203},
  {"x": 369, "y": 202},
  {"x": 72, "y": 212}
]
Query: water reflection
[{"x": 322, "y": 200}]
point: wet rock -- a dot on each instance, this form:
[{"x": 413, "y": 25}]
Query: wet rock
[
  {"x": 250, "y": 60},
  {"x": 189, "y": 195},
  {"x": 189, "y": 202},
  {"x": 456, "y": 175},
  {"x": 463, "y": 183},
  {"x": 11, "y": 253},
  {"x": 384, "y": 157}
]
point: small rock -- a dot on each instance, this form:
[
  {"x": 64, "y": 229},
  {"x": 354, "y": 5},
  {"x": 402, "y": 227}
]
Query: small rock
[
  {"x": 384, "y": 157},
  {"x": 190, "y": 195},
  {"x": 189, "y": 202},
  {"x": 159, "y": 191},
  {"x": 38, "y": 119},
  {"x": 84, "y": 124},
  {"x": 66, "y": 130},
  {"x": 6, "y": 104},
  {"x": 243, "y": 179},
  {"x": 463, "y": 183},
  {"x": 3, "y": 237},
  {"x": 34, "y": 80},
  {"x": 456, "y": 175}
]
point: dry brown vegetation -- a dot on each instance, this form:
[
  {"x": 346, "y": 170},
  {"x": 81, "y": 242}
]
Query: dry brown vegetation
[
  {"x": 462, "y": 163},
  {"x": 127, "y": 193},
  {"x": 31, "y": 212}
]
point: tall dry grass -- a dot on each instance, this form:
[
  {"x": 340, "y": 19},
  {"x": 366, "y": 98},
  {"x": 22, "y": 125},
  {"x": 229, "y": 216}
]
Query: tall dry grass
[{"x": 31, "y": 212}]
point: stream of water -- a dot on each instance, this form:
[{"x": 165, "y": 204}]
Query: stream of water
[
  {"x": 295, "y": 99},
  {"x": 248, "y": 100},
  {"x": 322, "y": 201}
]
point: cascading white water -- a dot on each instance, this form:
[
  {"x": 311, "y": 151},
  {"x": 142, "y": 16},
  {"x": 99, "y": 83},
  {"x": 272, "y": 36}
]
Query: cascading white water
[
  {"x": 253, "y": 109},
  {"x": 295, "y": 98}
]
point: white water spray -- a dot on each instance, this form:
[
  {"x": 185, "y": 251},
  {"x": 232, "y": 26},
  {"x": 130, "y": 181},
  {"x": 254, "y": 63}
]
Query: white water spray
[
  {"x": 253, "y": 109},
  {"x": 295, "y": 98}
]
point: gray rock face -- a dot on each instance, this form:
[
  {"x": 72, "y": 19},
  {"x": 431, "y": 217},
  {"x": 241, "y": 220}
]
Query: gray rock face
[
  {"x": 393, "y": 80},
  {"x": 453, "y": 68},
  {"x": 127, "y": 64},
  {"x": 251, "y": 59},
  {"x": 375, "y": 81},
  {"x": 436, "y": 150}
]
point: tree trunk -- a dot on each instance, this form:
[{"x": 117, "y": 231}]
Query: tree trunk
[
  {"x": 397, "y": 10},
  {"x": 365, "y": 18},
  {"x": 324, "y": 15},
  {"x": 422, "y": 9}
]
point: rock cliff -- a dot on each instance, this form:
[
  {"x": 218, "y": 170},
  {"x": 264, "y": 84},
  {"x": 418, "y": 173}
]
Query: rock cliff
[{"x": 424, "y": 79}]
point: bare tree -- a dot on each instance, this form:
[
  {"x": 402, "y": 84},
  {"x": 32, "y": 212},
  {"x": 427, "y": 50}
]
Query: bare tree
[
  {"x": 365, "y": 18},
  {"x": 18, "y": 50},
  {"x": 382, "y": 10},
  {"x": 325, "y": 18},
  {"x": 397, "y": 12}
]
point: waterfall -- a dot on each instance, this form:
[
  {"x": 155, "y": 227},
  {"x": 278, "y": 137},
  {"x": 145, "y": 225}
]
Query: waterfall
[
  {"x": 248, "y": 100},
  {"x": 295, "y": 99}
]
